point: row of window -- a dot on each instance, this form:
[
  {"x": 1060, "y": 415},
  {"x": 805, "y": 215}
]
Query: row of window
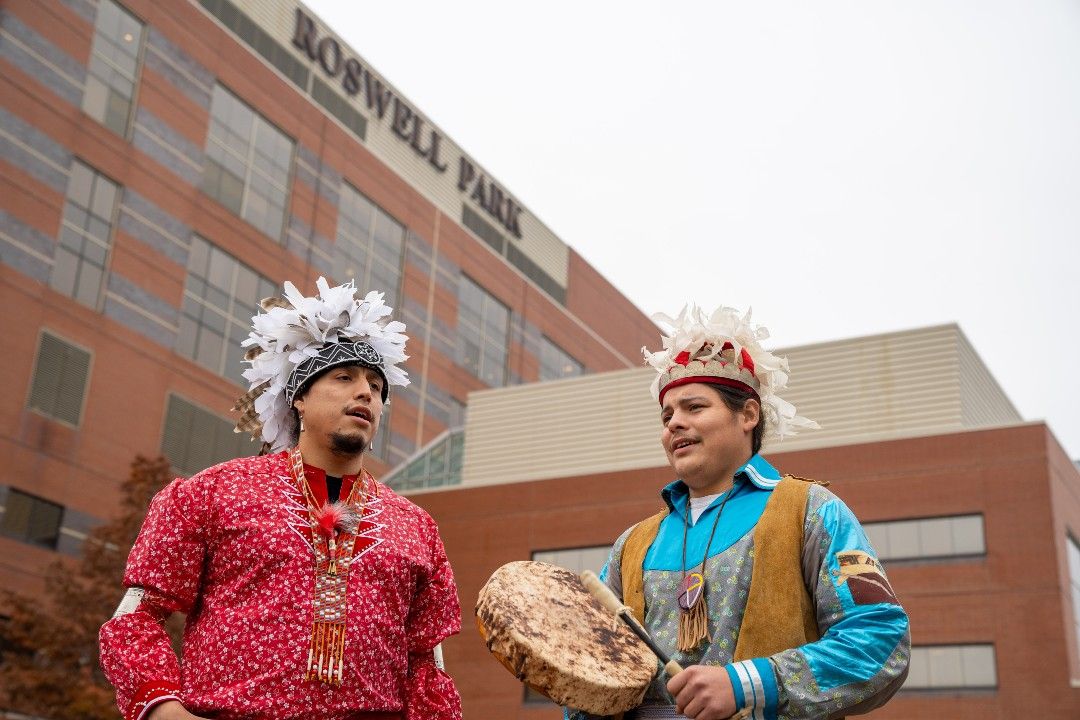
[
  {"x": 247, "y": 166},
  {"x": 221, "y": 293},
  {"x": 954, "y": 537},
  {"x": 192, "y": 438}
]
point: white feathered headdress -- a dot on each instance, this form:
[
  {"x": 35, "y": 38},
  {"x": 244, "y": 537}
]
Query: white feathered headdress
[
  {"x": 724, "y": 348},
  {"x": 299, "y": 337}
]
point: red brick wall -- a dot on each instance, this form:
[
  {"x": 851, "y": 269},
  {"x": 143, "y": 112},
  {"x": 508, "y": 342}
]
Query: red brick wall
[{"x": 1014, "y": 597}]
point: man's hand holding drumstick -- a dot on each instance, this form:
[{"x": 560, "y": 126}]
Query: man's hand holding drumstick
[{"x": 701, "y": 692}]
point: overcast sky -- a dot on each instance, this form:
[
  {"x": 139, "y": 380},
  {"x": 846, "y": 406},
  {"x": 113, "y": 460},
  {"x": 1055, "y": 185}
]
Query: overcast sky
[{"x": 846, "y": 168}]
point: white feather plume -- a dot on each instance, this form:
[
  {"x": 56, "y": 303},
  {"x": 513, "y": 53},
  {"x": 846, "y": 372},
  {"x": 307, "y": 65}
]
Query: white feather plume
[
  {"x": 692, "y": 330},
  {"x": 287, "y": 336}
]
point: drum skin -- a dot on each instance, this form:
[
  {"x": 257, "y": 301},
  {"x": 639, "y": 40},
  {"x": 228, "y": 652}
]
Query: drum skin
[{"x": 543, "y": 626}]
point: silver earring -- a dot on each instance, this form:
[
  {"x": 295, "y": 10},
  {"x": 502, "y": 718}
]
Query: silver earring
[{"x": 301, "y": 423}]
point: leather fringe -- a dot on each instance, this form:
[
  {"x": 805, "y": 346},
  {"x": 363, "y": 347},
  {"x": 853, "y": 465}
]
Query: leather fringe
[{"x": 694, "y": 626}]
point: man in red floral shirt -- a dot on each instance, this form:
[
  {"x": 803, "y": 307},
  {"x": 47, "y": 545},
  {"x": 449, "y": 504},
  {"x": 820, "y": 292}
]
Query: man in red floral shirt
[{"x": 311, "y": 590}]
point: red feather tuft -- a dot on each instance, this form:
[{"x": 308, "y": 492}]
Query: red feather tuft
[{"x": 339, "y": 517}]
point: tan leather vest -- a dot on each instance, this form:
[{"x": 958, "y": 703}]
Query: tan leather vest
[{"x": 779, "y": 612}]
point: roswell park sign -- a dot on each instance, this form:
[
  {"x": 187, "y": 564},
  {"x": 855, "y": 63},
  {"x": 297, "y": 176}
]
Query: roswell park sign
[{"x": 405, "y": 122}]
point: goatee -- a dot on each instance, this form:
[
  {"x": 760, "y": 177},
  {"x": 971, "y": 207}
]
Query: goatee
[{"x": 349, "y": 445}]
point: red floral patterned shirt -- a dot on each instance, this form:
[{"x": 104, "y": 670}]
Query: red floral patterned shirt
[{"x": 231, "y": 548}]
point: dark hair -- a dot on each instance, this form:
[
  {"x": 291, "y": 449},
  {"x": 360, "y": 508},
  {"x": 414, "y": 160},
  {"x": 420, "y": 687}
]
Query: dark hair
[
  {"x": 293, "y": 419},
  {"x": 735, "y": 399}
]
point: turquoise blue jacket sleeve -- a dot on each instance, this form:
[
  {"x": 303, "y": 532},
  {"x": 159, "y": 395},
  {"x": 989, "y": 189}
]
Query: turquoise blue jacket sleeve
[{"x": 862, "y": 657}]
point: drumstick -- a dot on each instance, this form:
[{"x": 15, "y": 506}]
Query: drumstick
[{"x": 603, "y": 593}]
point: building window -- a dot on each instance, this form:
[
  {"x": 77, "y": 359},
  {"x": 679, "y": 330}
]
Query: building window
[
  {"x": 114, "y": 63},
  {"x": 85, "y": 235},
  {"x": 457, "y": 414},
  {"x": 928, "y": 538},
  {"x": 951, "y": 667},
  {"x": 576, "y": 559},
  {"x": 1073, "y": 550},
  {"x": 369, "y": 245},
  {"x": 483, "y": 324},
  {"x": 31, "y": 519},
  {"x": 61, "y": 372},
  {"x": 555, "y": 363},
  {"x": 220, "y": 297},
  {"x": 194, "y": 439},
  {"x": 247, "y": 163},
  {"x": 437, "y": 465}
]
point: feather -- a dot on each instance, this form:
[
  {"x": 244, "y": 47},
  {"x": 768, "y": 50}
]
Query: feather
[
  {"x": 734, "y": 341},
  {"x": 337, "y": 517},
  {"x": 294, "y": 328}
]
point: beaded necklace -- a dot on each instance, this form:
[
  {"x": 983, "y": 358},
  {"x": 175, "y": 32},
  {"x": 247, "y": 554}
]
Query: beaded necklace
[
  {"x": 333, "y": 536},
  {"x": 693, "y": 606}
]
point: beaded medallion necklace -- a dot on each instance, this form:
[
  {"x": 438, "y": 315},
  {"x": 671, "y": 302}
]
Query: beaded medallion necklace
[{"x": 333, "y": 536}]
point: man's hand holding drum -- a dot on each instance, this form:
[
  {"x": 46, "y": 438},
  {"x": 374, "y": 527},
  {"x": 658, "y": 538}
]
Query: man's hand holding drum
[{"x": 703, "y": 692}]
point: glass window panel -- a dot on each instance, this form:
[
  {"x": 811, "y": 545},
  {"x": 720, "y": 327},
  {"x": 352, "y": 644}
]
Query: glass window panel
[
  {"x": 71, "y": 239},
  {"x": 216, "y": 317},
  {"x": 978, "y": 665},
  {"x": 209, "y": 350},
  {"x": 65, "y": 268},
  {"x": 76, "y": 215},
  {"x": 230, "y": 190},
  {"x": 199, "y": 255},
  {"x": 555, "y": 362},
  {"x": 246, "y": 280},
  {"x": 16, "y": 517},
  {"x": 117, "y": 111},
  {"x": 214, "y": 321},
  {"x": 928, "y": 538},
  {"x": 234, "y": 362},
  {"x": 457, "y": 414},
  {"x": 904, "y": 539},
  {"x": 481, "y": 322},
  {"x": 31, "y": 519},
  {"x": 944, "y": 667},
  {"x": 1074, "y": 573},
  {"x": 221, "y": 269},
  {"x": 88, "y": 289},
  {"x": 80, "y": 184},
  {"x": 918, "y": 669},
  {"x": 95, "y": 97},
  {"x": 259, "y": 214},
  {"x": 935, "y": 537},
  {"x": 98, "y": 229},
  {"x": 44, "y": 524},
  {"x": 266, "y": 289},
  {"x": 94, "y": 252},
  {"x": 388, "y": 233},
  {"x": 967, "y": 535},
  {"x": 185, "y": 341},
  {"x": 248, "y": 163}
]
